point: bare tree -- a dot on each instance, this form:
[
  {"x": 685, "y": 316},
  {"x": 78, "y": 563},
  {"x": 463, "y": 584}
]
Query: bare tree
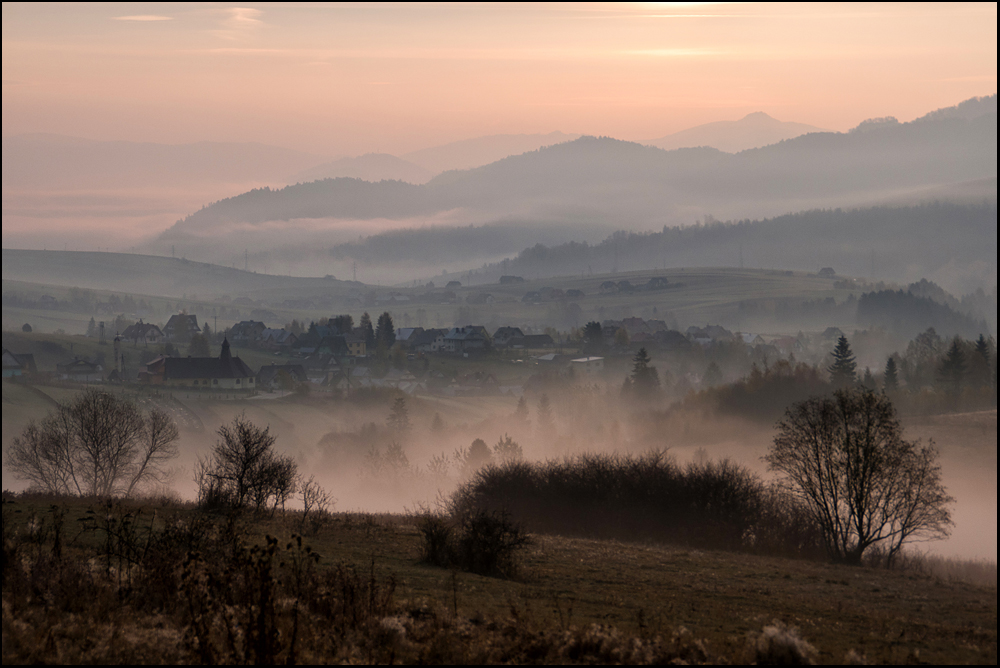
[
  {"x": 845, "y": 457},
  {"x": 99, "y": 445},
  {"x": 243, "y": 471},
  {"x": 157, "y": 448}
]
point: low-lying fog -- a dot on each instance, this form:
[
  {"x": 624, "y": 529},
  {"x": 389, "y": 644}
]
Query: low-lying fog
[{"x": 336, "y": 441}]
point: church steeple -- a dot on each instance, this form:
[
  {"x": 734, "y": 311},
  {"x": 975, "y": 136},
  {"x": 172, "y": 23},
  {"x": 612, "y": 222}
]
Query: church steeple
[{"x": 225, "y": 355}]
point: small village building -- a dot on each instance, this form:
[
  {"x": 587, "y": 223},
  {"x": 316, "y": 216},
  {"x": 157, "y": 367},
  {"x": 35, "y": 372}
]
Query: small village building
[
  {"x": 224, "y": 372},
  {"x": 428, "y": 341},
  {"x": 16, "y": 365},
  {"x": 587, "y": 366},
  {"x": 465, "y": 339},
  {"x": 503, "y": 336},
  {"x": 142, "y": 332},
  {"x": 181, "y": 327},
  {"x": 269, "y": 376},
  {"x": 246, "y": 332},
  {"x": 81, "y": 371}
]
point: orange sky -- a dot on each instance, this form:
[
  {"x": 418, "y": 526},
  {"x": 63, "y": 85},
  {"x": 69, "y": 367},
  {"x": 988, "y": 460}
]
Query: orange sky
[{"x": 349, "y": 79}]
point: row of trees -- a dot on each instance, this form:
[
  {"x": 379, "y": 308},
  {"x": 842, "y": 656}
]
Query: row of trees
[{"x": 964, "y": 364}]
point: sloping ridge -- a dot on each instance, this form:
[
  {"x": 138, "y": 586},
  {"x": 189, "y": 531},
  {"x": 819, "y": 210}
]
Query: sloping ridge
[{"x": 610, "y": 175}]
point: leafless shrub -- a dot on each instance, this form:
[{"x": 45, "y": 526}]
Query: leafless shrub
[{"x": 244, "y": 472}]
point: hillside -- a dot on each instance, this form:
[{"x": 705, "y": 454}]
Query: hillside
[
  {"x": 576, "y": 600},
  {"x": 153, "y": 275}
]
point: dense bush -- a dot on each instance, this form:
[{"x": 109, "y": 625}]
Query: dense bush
[
  {"x": 712, "y": 505},
  {"x": 485, "y": 542}
]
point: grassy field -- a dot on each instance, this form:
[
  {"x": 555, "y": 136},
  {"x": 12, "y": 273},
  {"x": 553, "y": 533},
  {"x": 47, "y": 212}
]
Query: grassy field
[
  {"x": 701, "y": 296},
  {"x": 564, "y": 587}
]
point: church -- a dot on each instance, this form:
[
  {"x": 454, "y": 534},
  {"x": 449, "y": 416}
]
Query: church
[{"x": 224, "y": 372}]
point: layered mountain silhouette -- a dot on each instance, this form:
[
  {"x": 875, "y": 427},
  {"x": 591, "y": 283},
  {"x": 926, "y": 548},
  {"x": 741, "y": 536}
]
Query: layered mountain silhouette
[
  {"x": 630, "y": 184},
  {"x": 369, "y": 167},
  {"x": 752, "y": 131},
  {"x": 479, "y": 151}
]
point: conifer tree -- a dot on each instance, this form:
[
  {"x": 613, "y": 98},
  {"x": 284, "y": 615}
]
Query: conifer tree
[
  {"x": 367, "y": 331},
  {"x": 890, "y": 380},
  {"x": 952, "y": 371},
  {"x": 843, "y": 371}
]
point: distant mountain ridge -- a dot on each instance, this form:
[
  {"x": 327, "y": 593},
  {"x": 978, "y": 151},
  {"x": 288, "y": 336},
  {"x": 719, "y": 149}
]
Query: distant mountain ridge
[
  {"x": 752, "y": 131},
  {"x": 369, "y": 167},
  {"x": 632, "y": 184},
  {"x": 479, "y": 151}
]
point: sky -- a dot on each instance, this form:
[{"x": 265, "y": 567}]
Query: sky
[{"x": 347, "y": 79}]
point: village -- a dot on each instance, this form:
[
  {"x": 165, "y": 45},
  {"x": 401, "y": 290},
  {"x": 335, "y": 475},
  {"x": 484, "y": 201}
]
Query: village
[{"x": 336, "y": 356}]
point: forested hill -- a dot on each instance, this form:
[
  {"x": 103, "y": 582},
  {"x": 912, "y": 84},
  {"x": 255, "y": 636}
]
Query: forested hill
[
  {"x": 632, "y": 184},
  {"x": 879, "y": 242}
]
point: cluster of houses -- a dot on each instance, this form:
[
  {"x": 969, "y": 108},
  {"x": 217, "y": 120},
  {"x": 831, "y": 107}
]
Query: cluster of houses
[{"x": 328, "y": 357}]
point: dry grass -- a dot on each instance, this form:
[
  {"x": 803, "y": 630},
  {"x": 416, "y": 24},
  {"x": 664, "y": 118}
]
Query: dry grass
[{"x": 575, "y": 601}]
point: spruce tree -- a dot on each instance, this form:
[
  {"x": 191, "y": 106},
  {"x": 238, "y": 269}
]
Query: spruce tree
[
  {"x": 843, "y": 371},
  {"x": 367, "y": 331},
  {"x": 890, "y": 380},
  {"x": 952, "y": 371},
  {"x": 644, "y": 379},
  {"x": 385, "y": 331}
]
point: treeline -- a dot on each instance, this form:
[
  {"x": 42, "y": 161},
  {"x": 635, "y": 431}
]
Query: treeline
[
  {"x": 907, "y": 314},
  {"x": 850, "y": 241}
]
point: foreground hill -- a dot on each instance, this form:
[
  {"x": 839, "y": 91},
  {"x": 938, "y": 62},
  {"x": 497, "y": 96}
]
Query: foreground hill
[{"x": 576, "y": 601}]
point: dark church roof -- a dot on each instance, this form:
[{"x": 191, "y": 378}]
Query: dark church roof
[{"x": 223, "y": 366}]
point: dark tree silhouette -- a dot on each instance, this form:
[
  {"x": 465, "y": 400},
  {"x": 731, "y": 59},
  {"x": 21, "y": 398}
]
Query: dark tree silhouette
[
  {"x": 344, "y": 324},
  {"x": 843, "y": 371},
  {"x": 367, "y": 331},
  {"x": 385, "y": 332},
  {"x": 644, "y": 379},
  {"x": 243, "y": 471},
  {"x": 890, "y": 380},
  {"x": 593, "y": 337},
  {"x": 845, "y": 457},
  {"x": 99, "y": 445},
  {"x": 951, "y": 375}
]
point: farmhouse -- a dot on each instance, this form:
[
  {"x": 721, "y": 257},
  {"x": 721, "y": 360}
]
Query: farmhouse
[
  {"x": 181, "y": 327},
  {"x": 15, "y": 364},
  {"x": 142, "y": 331},
  {"x": 81, "y": 371}
]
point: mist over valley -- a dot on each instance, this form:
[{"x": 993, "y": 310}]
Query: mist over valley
[{"x": 469, "y": 334}]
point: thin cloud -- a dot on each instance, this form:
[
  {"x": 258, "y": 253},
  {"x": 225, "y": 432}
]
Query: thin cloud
[
  {"x": 239, "y": 22},
  {"x": 143, "y": 17}
]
